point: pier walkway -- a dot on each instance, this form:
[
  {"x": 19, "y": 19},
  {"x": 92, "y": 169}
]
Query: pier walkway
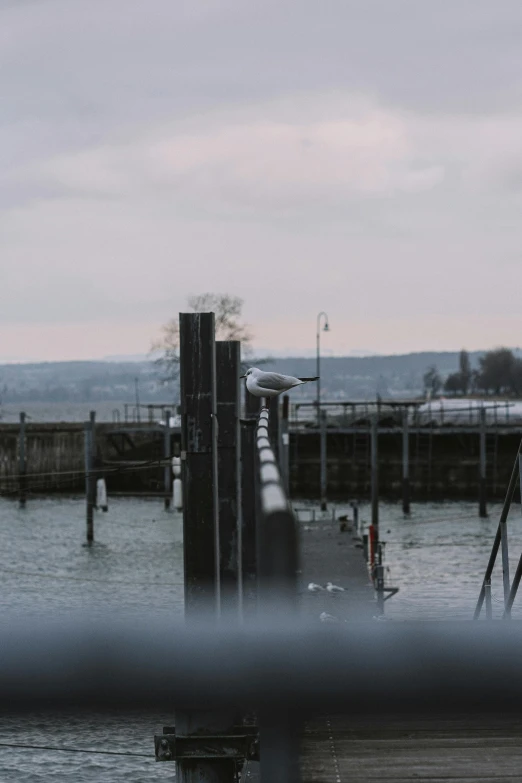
[
  {"x": 471, "y": 749},
  {"x": 328, "y": 555}
]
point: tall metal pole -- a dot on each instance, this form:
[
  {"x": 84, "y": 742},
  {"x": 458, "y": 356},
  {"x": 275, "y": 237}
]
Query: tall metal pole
[
  {"x": 324, "y": 478},
  {"x": 229, "y": 475},
  {"x": 318, "y": 361},
  {"x": 405, "y": 463},
  {"x": 22, "y": 463},
  {"x": 318, "y": 372},
  {"x": 483, "y": 512},
  {"x": 167, "y": 456}
]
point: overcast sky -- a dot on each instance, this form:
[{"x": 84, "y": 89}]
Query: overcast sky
[{"x": 363, "y": 158}]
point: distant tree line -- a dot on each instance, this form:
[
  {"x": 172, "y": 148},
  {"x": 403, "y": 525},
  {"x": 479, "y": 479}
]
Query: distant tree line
[{"x": 499, "y": 372}]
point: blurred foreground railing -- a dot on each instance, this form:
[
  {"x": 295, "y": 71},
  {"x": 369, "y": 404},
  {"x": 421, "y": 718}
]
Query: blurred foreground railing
[{"x": 271, "y": 667}]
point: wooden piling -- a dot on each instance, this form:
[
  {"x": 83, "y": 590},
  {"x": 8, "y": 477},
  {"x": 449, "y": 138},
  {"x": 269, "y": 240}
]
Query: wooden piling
[
  {"x": 483, "y": 512},
  {"x": 167, "y": 456},
  {"x": 323, "y": 457},
  {"x": 284, "y": 446},
  {"x": 22, "y": 462},
  {"x": 375, "y": 476},
  {"x": 90, "y": 483},
  {"x": 229, "y": 475},
  {"x": 405, "y": 463},
  {"x": 199, "y": 434},
  {"x": 199, "y": 460},
  {"x": 248, "y": 509}
]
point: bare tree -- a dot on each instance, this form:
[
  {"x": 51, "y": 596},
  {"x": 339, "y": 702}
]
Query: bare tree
[
  {"x": 432, "y": 381},
  {"x": 229, "y": 326}
]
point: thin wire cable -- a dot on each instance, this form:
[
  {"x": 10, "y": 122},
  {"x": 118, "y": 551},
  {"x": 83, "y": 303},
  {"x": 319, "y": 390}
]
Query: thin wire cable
[
  {"x": 80, "y": 472},
  {"x": 74, "y": 750}
]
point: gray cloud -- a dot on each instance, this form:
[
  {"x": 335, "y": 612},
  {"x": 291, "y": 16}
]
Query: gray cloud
[{"x": 363, "y": 157}]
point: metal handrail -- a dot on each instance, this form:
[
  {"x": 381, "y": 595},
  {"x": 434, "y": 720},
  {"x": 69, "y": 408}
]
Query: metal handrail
[
  {"x": 501, "y": 538},
  {"x": 277, "y": 542}
]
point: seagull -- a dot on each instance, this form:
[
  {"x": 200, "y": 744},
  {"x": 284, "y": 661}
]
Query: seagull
[
  {"x": 328, "y": 618},
  {"x": 270, "y": 384},
  {"x": 314, "y": 588},
  {"x": 334, "y": 588}
]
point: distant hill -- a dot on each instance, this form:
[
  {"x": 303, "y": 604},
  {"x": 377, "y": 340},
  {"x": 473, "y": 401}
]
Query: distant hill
[{"x": 341, "y": 377}]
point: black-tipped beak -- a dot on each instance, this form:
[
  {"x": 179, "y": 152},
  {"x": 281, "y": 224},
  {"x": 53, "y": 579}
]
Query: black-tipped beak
[{"x": 242, "y": 376}]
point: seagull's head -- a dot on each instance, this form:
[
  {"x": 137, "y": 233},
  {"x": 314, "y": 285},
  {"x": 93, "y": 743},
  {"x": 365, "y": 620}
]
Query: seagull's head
[{"x": 249, "y": 372}]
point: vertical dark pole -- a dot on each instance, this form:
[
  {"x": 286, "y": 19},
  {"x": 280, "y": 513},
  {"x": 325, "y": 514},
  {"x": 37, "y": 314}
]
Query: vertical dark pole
[
  {"x": 379, "y": 580},
  {"x": 248, "y": 511},
  {"x": 89, "y": 435},
  {"x": 375, "y": 475},
  {"x": 355, "y": 509},
  {"x": 167, "y": 456},
  {"x": 199, "y": 459},
  {"x": 22, "y": 462},
  {"x": 487, "y": 593},
  {"x": 405, "y": 463},
  {"x": 200, "y": 521},
  {"x": 229, "y": 476},
  {"x": 324, "y": 478},
  {"x": 483, "y": 512},
  {"x": 284, "y": 457},
  {"x": 94, "y": 458}
]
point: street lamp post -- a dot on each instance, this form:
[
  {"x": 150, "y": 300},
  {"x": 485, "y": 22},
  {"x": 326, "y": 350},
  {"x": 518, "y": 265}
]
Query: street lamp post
[{"x": 326, "y": 328}]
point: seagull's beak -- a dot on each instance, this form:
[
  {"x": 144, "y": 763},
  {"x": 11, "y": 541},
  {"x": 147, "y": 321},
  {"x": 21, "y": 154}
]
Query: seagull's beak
[{"x": 242, "y": 376}]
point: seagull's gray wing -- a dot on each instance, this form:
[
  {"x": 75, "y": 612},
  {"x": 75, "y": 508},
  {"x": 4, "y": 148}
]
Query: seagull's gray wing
[{"x": 275, "y": 381}]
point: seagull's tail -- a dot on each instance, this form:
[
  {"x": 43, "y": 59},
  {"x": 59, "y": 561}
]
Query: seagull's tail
[{"x": 304, "y": 380}]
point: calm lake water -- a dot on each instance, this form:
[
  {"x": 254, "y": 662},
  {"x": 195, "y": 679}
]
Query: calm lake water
[{"x": 436, "y": 557}]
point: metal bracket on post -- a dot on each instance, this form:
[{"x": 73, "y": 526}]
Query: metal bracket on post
[{"x": 240, "y": 747}]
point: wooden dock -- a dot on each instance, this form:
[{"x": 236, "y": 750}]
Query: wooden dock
[
  {"x": 329, "y": 555},
  {"x": 465, "y": 748}
]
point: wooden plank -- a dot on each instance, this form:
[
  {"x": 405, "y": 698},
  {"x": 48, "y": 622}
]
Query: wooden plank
[{"x": 466, "y": 748}]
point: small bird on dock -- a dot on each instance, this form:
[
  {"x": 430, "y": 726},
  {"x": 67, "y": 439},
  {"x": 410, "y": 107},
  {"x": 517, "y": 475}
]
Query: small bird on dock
[
  {"x": 313, "y": 588},
  {"x": 334, "y": 588},
  {"x": 328, "y": 618},
  {"x": 271, "y": 384}
]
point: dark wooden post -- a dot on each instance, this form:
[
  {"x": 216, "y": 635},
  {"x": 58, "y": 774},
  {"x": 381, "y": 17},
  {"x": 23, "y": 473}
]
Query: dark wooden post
[
  {"x": 405, "y": 463},
  {"x": 483, "y": 511},
  {"x": 284, "y": 455},
  {"x": 229, "y": 476},
  {"x": 200, "y": 522},
  {"x": 324, "y": 477},
  {"x": 248, "y": 510},
  {"x": 199, "y": 460},
  {"x": 90, "y": 483},
  {"x": 22, "y": 462},
  {"x": 167, "y": 456}
]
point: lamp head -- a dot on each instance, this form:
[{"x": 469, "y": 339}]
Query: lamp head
[{"x": 326, "y": 327}]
